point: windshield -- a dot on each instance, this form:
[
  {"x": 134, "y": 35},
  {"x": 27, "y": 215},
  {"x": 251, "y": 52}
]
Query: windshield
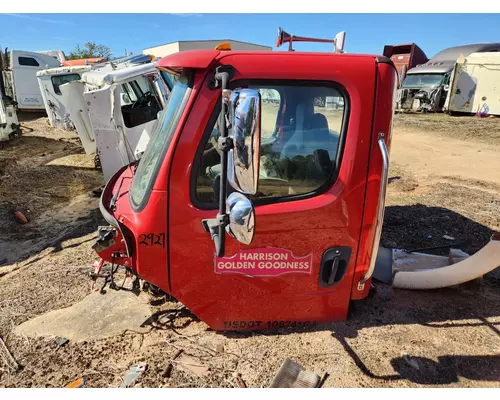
[
  {"x": 169, "y": 78},
  {"x": 422, "y": 80},
  {"x": 151, "y": 160}
]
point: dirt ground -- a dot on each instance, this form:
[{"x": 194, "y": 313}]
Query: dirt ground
[
  {"x": 442, "y": 182},
  {"x": 46, "y": 175}
]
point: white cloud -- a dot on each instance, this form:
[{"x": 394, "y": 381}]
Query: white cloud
[{"x": 44, "y": 20}]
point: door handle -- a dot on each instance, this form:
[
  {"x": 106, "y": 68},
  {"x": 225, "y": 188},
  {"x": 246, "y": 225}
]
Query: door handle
[{"x": 333, "y": 265}]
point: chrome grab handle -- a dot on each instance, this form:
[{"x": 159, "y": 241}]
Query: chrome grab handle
[{"x": 381, "y": 209}]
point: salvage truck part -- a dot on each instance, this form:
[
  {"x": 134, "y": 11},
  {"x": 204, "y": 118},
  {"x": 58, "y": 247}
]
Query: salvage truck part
[
  {"x": 115, "y": 110},
  {"x": 9, "y": 124},
  {"x": 20, "y": 78},
  {"x": 73, "y": 103},
  {"x": 474, "y": 85},
  {"x": 426, "y": 86},
  {"x": 124, "y": 108},
  {"x": 51, "y": 81},
  {"x": 291, "y": 246},
  {"x": 475, "y": 266}
]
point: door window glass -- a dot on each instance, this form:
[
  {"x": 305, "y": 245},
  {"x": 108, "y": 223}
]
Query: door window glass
[
  {"x": 28, "y": 62},
  {"x": 300, "y": 135},
  {"x": 59, "y": 80}
]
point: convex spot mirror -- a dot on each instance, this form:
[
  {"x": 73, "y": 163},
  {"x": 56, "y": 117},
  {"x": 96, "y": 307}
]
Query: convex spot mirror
[
  {"x": 244, "y": 114},
  {"x": 241, "y": 218}
]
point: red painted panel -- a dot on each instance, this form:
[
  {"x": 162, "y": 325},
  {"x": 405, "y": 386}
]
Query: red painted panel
[
  {"x": 384, "y": 106},
  {"x": 198, "y": 59}
]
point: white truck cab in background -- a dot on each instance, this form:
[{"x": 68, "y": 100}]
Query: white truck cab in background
[
  {"x": 20, "y": 78},
  {"x": 115, "y": 111},
  {"x": 59, "y": 54},
  {"x": 50, "y": 81}
]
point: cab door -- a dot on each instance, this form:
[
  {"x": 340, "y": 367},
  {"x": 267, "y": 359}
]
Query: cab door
[{"x": 317, "y": 113}]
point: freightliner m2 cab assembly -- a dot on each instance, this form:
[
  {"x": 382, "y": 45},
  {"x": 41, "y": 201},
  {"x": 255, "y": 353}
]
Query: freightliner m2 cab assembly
[
  {"x": 259, "y": 214},
  {"x": 306, "y": 218}
]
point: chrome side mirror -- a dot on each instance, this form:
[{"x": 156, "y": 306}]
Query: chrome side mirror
[
  {"x": 244, "y": 114},
  {"x": 240, "y": 156},
  {"x": 241, "y": 218}
]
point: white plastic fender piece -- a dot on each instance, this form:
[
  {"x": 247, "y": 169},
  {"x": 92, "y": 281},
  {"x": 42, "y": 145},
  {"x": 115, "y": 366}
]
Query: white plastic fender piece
[
  {"x": 479, "y": 264},
  {"x": 109, "y": 141},
  {"x": 72, "y": 97}
]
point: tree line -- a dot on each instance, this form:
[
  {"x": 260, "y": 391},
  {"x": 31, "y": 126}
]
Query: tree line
[{"x": 90, "y": 50}]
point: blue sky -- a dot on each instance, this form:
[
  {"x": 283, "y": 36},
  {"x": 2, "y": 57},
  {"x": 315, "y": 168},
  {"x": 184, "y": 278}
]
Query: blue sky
[{"x": 365, "y": 33}]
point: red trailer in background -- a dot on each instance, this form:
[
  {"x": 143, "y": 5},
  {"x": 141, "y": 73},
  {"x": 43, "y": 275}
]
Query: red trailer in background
[{"x": 405, "y": 57}]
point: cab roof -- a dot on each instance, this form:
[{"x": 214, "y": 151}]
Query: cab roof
[
  {"x": 107, "y": 76},
  {"x": 201, "y": 59},
  {"x": 64, "y": 70}
]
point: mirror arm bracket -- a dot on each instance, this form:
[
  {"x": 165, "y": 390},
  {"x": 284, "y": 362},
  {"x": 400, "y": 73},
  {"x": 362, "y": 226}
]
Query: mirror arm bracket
[
  {"x": 222, "y": 220},
  {"x": 216, "y": 227},
  {"x": 217, "y": 80},
  {"x": 211, "y": 224},
  {"x": 225, "y": 143}
]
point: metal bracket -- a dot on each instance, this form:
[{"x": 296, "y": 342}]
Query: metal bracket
[
  {"x": 211, "y": 225},
  {"x": 107, "y": 235},
  {"x": 223, "y": 220},
  {"x": 215, "y": 83},
  {"x": 214, "y": 226},
  {"x": 225, "y": 143}
]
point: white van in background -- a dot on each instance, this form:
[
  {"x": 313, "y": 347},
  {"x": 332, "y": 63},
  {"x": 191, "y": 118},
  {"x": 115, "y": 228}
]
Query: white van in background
[{"x": 20, "y": 78}]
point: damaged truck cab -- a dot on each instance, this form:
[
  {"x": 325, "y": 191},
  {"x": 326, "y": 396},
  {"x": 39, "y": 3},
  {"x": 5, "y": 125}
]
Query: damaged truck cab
[
  {"x": 259, "y": 200},
  {"x": 426, "y": 87}
]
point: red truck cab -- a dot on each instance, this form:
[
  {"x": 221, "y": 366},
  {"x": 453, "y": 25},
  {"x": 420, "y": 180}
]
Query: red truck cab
[{"x": 306, "y": 161}]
